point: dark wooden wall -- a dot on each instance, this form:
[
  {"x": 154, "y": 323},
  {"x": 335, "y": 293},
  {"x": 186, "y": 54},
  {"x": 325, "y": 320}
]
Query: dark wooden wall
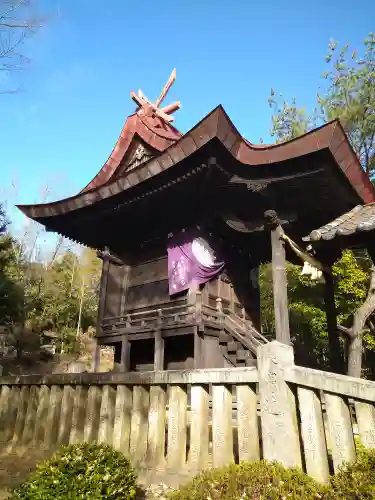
[
  {"x": 148, "y": 283},
  {"x": 141, "y": 284},
  {"x": 223, "y": 288},
  {"x": 144, "y": 284},
  {"x": 116, "y": 284},
  {"x": 211, "y": 354},
  {"x": 179, "y": 352},
  {"x": 238, "y": 297}
]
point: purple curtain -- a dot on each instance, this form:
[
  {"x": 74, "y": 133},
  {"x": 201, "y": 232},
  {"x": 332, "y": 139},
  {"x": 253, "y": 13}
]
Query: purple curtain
[{"x": 187, "y": 264}]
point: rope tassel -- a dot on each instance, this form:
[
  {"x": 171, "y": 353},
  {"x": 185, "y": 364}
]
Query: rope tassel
[{"x": 311, "y": 267}]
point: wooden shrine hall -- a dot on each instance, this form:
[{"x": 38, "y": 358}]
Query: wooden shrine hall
[{"x": 182, "y": 223}]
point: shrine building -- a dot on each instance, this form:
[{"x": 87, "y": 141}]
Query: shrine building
[{"x": 182, "y": 223}]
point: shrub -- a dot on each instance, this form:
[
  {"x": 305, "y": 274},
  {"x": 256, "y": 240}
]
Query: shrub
[
  {"x": 86, "y": 471},
  {"x": 357, "y": 480},
  {"x": 251, "y": 480}
]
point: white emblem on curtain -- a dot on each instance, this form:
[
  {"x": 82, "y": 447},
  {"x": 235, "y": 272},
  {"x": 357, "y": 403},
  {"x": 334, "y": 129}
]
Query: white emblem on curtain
[{"x": 203, "y": 252}]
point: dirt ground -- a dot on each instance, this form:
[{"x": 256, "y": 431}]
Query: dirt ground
[{"x": 16, "y": 465}]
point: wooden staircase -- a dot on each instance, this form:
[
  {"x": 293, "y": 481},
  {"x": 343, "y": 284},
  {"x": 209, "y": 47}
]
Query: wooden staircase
[
  {"x": 239, "y": 340},
  {"x": 235, "y": 352}
]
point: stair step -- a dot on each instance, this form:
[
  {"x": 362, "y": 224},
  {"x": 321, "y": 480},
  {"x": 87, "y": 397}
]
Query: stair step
[
  {"x": 224, "y": 338},
  {"x": 232, "y": 358},
  {"x": 240, "y": 362},
  {"x": 251, "y": 362},
  {"x": 232, "y": 346},
  {"x": 244, "y": 354}
]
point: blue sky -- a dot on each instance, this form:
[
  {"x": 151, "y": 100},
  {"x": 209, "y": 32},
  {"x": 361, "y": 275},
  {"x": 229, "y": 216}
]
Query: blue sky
[{"x": 61, "y": 128}]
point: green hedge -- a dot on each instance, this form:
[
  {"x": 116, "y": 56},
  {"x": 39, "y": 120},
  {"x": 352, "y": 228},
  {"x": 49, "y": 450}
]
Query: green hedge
[
  {"x": 93, "y": 472},
  {"x": 270, "y": 481},
  {"x": 357, "y": 480},
  {"x": 85, "y": 471},
  {"x": 250, "y": 480}
]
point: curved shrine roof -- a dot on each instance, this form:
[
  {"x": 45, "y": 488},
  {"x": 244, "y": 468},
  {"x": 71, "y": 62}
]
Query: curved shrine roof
[
  {"x": 171, "y": 147},
  {"x": 154, "y": 132}
]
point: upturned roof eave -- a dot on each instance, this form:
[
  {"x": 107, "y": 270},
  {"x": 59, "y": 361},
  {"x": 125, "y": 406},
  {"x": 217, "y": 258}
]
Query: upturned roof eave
[{"x": 218, "y": 125}]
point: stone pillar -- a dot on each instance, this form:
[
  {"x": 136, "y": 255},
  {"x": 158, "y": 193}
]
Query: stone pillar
[{"x": 279, "y": 423}]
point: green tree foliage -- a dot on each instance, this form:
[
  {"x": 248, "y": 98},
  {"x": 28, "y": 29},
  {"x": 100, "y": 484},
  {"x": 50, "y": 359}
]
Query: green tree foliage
[
  {"x": 350, "y": 96},
  {"x": 67, "y": 296},
  {"x": 58, "y": 295},
  {"x": 10, "y": 292},
  {"x": 288, "y": 120},
  {"x": 307, "y": 309},
  {"x": 3, "y": 221}
]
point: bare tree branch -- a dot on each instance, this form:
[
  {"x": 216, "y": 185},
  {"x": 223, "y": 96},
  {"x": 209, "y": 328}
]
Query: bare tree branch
[{"x": 17, "y": 23}]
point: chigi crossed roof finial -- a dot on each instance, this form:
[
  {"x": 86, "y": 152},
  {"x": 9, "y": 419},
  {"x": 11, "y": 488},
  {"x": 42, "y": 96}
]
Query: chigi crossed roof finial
[{"x": 146, "y": 106}]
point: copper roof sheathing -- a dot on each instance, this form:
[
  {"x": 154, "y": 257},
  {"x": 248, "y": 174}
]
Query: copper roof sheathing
[
  {"x": 360, "y": 219},
  {"x": 152, "y": 130},
  {"x": 174, "y": 148}
]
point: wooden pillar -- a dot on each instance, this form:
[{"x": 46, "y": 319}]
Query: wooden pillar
[
  {"x": 195, "y": 301},
  {"x": 124, "y": 289},
  {"x": 105, "y": 256},
  {"x": 232, "y": 295},
  {"x": 334, "y": 348},
  {"x": 101, "y": 307},
  {"x": 252, "y": 305},
  {"x": 125, "y": 354},
  {"x": 159, "y": 345},
  {"x": 280, "y": 296}
]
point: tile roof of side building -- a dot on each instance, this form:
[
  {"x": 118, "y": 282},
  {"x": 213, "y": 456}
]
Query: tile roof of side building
[{"x": 360, "y": 219}]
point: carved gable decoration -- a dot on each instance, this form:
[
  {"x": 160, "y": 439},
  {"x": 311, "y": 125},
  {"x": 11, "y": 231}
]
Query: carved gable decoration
[
  {"x": 138, "y": 154},
  {"x": 141, "y": 155}
]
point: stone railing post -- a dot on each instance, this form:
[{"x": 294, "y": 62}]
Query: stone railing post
[{"x": 279, "y": 423}]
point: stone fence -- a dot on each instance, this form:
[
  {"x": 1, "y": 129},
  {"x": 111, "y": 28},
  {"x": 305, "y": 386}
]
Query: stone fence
[{"x": 175, "y": 423}]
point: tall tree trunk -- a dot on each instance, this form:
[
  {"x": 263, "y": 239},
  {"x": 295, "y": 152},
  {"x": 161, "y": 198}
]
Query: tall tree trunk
[
  {"x": 336, "y": 359},
  {"x": 80, "y": 307},
  {"x": 355, "y": 333}
]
